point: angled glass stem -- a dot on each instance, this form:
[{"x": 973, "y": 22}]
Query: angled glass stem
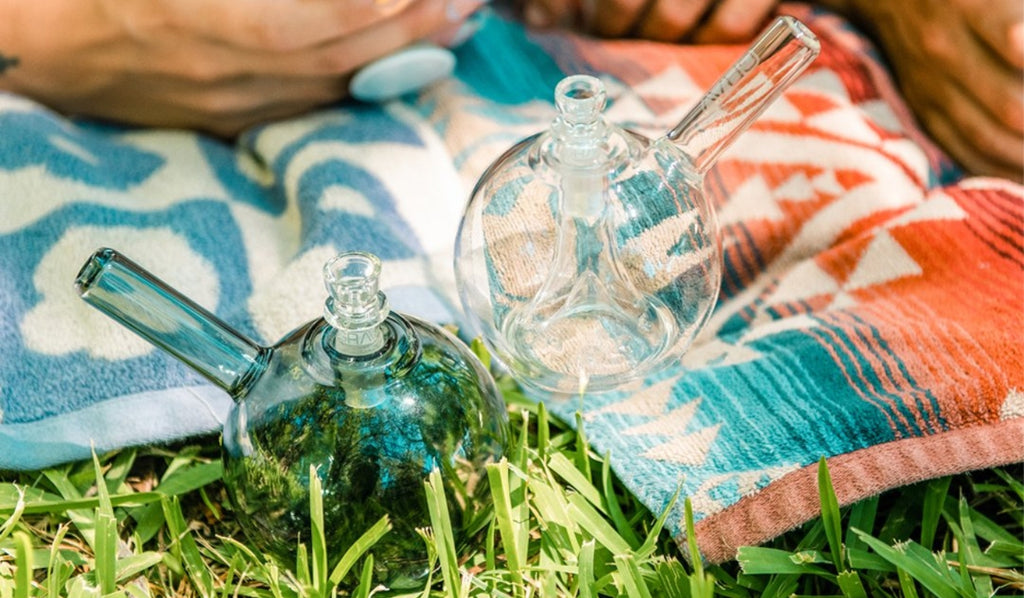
[
  {"x": 129, "y": 294},
  {"x": 746, "y": 90}
]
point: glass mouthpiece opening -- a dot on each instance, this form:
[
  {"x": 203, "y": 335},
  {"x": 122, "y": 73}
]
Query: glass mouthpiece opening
[
  {"x": 580, "y": 99},
  {"x": 355, "y": 308}
]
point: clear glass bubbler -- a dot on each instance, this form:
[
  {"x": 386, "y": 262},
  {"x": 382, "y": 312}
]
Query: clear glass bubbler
[
  {"x": 373, "y": 400},
  {"x": 588, "y": 256}
]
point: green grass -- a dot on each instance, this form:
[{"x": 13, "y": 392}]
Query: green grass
[{"x": 155, "y": 522}]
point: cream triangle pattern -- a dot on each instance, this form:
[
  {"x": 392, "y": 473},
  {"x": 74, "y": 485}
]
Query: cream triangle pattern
[
  {"x": 650, "y": 401},
  {"x": 842, "y": 301},
  {"x": 747, "y": 483},
  {"x": 782, "y": 110},
  {"x": 796, "y": 188},
  {"x": 753, "y": 200},
  {"x": 656, "y": 104},
  {"x": 883, "y": 261},
  {"x": 826, "y": 183},
  {"x": 938, "y": 207},
  {"x": 1013, "y": 405},
  {"x": 719, "y": 353},
  {"x": 628, "y": 107},
  {"x": 691, "y": 449},
  {"x": 881, "y": 115},
  {"x": 907, "y": 152},
  {"x": 797, "y": 322},
  {"x": 825, "y": 83},
  {"x": 804, "y": 281},
  {"x": 668, "y": 424},
  {"x": 838, "y": 122},
  {"x": 672, "y": 82}
]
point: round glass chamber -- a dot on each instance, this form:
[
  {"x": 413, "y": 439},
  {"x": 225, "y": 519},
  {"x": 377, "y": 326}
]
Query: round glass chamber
[{"x": 588, "y": 256}]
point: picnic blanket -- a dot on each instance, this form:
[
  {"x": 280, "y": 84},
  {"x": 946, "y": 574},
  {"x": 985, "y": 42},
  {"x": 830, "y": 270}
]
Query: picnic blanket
[{"x": 871, "y": 308}]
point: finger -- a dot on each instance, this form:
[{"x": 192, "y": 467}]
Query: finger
[
  {"x": 290, "y": 25},
  {"x": 210, "y": 62},
  {"x": 345, "y": 55},
  {"x": 550, "y": 13},
  {"x": 971, "y": 71},
  {"x": 734, "y": 21},
  {"x": 967, "y": 154},
  {"x": 611, "y": 18},
  {"x": 977, "y": 140},
  {"x": 1000, "y": 24},
  {"x": 669, "y": 20}
]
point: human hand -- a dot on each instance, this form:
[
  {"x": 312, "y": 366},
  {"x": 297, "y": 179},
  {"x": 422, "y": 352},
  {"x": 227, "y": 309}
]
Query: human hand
[
  {"x": 213, "y": 65},
  {"x": 960, "y": 65},
  {"x": 699, "y": 21}
]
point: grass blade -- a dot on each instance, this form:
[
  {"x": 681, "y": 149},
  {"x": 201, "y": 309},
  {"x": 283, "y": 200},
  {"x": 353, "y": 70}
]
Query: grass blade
[
  {"x": 543, "y": 431},
  {"x": 585, "y": 573},
  {"x": 132, "y": 566},
  {"x": 934, "y": 498},
  {"x": 582, "y": 448},
  {"x": 614, "y": 511},
  {"x": 444, "y": 536},
  {"x": 702, "y": 585},
  {"x": 302, "y": 565},
  {"x": 102, "y": 493},
  {"x": 501, "y": 493},
  {"x": 849, "y": 583},
  {"x": 58, "y": 570},
  {"x": 599, "y": 528},
  {"x": 971, "y": 555},
  {"x": 673, "y": 578},
  {"x": 630, "y": 577},
  {"x": 359, "y": 548},
  {"x": 920, "y": 570},
  {"x": 365, "y": 579},
  {"x": 830, "y": 515},
  {"x": 22, "y": 564},
  {"x": 317, "y": 539},
  {"x": 19, "y": 508},
  {"x": 652, "y": 537},
  {"x": 907, "y": 585},
  {"x": 691, "y": 538},
  {"x": 183, "y": 545},
  {"x": 762, "y": 560},
  {"x": 83, "y": 519},
  {"x": 861, "y": 516},
  {"x": 105, "y": 547},
  {"x": 561, "y": 465},
  {"x": 1013, "y": 483}
]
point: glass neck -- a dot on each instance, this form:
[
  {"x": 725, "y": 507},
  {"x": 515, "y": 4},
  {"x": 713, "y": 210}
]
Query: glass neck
[
  {"x": 135, "y": 298},
  {"x": 364, "y": 377},
  {"x": 745, "y": 91}
]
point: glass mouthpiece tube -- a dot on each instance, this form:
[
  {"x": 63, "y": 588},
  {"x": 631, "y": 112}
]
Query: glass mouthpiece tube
[
  {"x": 746, "y": 90},
  {"x": 132, "y": 296}
]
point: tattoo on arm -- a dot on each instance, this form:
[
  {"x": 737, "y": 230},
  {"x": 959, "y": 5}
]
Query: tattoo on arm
[{"x": 8, "y": 62}]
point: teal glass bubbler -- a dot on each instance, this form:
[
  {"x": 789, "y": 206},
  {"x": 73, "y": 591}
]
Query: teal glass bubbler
[
  {"x": 371, "y": 400},
  {"x": 588, "y": 256}
]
